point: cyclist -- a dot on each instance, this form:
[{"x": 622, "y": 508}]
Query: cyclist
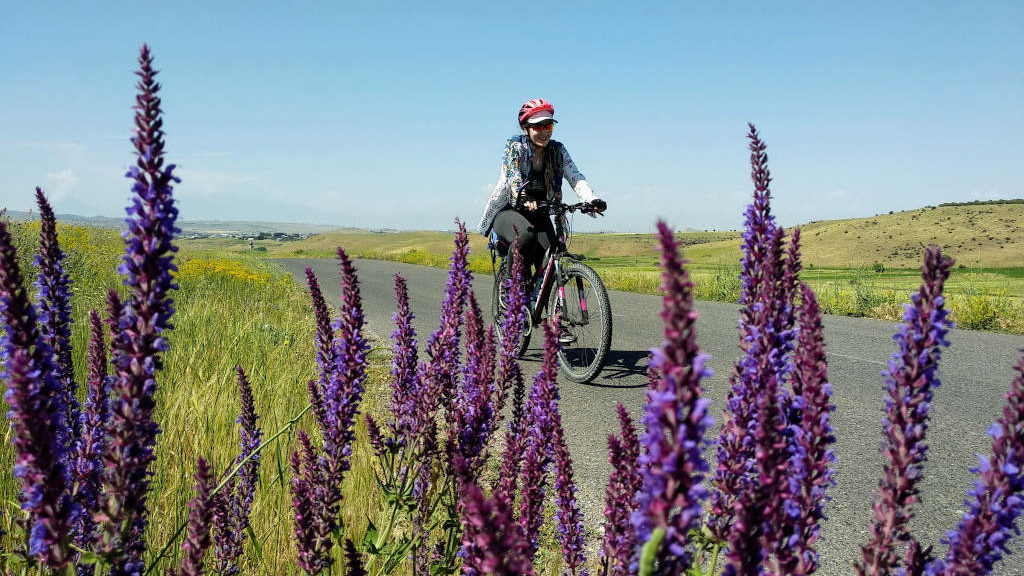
[{"x": 531, "y": 171}]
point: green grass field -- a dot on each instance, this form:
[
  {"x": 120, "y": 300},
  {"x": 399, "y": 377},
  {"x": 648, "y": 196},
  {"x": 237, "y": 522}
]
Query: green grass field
[{"x": 230, "y": 310}]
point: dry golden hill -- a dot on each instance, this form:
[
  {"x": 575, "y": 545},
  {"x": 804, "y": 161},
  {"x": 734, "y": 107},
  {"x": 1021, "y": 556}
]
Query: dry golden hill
[{"x": 985, "y": 235}]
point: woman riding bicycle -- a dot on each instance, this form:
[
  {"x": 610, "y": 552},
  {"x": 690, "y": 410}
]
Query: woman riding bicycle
[{"x": 531, "y": 171}]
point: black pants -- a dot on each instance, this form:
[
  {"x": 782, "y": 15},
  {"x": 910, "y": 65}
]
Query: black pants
[{"x": 536, "y": 234}]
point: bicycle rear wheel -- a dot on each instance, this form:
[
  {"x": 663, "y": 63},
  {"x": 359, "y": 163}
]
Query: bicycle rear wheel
[
  {"x": 499, "y": 304},
  {"x": 586, "y": 322}
]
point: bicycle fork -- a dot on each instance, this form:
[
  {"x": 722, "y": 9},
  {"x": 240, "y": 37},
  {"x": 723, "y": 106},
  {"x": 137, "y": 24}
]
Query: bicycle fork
[{"x": 555, "y": 266}]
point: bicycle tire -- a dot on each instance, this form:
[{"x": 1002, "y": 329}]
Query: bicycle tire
[
  {"x": 498, "y": 309},
  {"x": 581, "y": 361}
]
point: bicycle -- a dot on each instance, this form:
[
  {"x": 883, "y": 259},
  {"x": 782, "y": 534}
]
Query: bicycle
[{"x": 580, "y": 296}]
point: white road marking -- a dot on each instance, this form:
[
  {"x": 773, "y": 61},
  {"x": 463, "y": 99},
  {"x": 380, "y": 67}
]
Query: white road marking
[{"x": 858, "y": 358}]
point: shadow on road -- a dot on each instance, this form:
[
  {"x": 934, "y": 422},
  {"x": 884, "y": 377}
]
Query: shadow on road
[{"x": 622, "y": 364}]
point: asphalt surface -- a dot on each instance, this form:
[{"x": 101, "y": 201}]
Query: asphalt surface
[{"x": 975, "y": 373}]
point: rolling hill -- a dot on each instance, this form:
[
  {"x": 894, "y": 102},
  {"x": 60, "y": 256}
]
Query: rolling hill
[{"x": 982, "y": 235}]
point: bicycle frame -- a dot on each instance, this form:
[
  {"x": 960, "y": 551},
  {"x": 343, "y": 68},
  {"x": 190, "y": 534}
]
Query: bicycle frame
[{"x": 553, "y": 274}]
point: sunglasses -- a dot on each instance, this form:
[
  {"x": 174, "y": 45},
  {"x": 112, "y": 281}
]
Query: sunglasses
[{"x": 543, "y": 127}]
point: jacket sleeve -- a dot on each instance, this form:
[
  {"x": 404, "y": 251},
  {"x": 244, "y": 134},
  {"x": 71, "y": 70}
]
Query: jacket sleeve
[
  {"x": 576, "y": 179},
  {"x": 499, "y": 199},
  {"x": 506, "y": 191}
]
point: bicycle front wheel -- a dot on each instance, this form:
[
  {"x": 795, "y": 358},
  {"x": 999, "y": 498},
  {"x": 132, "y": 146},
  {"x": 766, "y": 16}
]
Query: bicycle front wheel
[
  {"x": 499, "y": 307},
  {"x": 586, "y": 334}
]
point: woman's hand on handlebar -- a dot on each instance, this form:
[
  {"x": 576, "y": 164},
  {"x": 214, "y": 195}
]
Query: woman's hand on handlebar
[
  {"x": 599, "y": 205},
  {"x": 530, "y": 205}
]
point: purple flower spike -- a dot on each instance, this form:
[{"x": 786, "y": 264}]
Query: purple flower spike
[
  {"x": 34, "y": 394},
  {"x": 353, "y": 562},
  {"x": 675, "y": 420},
  {"x": 409, "y": 413},
  {"x": 791, "y": 279},
  {"x": 312, "y": 530},
  {"x": 115, "y": 309},
  {"x": 229, "y": 534},
  {"x": 89, "y": 455},
  {"x": 735, "y": 470},
  {"x": 760, "y": 223},
  {"x": 343, "y": 392},
  {"x": 54, "y": 287},
  {"x": 774, "y": 498},
  {"x": 421, "y": 487},
  {"x": 317, "y": 479},
  {"x": 997, "y": 499},
  {"x": 516, "y": 438},
  {"x": 324, "y": 333},
  {"x": 625, "y": 481},
  {"x": 810, "y": 383},
  {"x": 197, "y": 538},
  {"x": 147, "y": 270},
  {"x": 543, "y": 403},
  {"x": 568, "y": 515},
  {"x": 910, "y": 382},
  {"x": 317, "y": 404},
  {"x": 438, "y": 374},
  {"x": 345, "y": 388},
  {"x": 374, "y": 437},
  {"x": 510, "y": 374},
  {"x": 492, "y": 543},
  {"x": 755, "y": 488},
  {"x": 473, "y": 410}
]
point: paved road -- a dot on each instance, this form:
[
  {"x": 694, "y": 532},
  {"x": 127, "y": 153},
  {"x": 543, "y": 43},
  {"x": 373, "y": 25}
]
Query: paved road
[{"x": 975, "y": 372}]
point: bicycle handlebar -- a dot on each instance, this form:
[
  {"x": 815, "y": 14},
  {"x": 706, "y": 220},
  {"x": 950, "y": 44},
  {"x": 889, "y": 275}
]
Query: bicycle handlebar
[{"x": 562, "y": 208}]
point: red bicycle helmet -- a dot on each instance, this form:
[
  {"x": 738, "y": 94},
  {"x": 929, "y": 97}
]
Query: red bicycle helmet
[{"x": 533, "y": 107}]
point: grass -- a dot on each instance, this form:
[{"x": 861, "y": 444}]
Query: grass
[{"x": 231, "y": 310}]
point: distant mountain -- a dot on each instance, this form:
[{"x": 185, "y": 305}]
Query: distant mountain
[{"x": 191, "y": 227}]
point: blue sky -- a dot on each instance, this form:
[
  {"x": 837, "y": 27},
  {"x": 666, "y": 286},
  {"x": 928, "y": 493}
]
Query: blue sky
[{"x": 390, "y": 114}]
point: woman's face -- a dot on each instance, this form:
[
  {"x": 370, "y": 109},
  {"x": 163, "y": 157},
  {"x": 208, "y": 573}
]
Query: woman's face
[{"x": 540, "y": 133}]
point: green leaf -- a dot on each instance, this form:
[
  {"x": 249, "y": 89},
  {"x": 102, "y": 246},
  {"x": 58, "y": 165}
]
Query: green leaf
[
  {"x": 15, "y": 560},
  {"x": 649, "y": 553},
  {"x": 441, "y": 570},
  {"x": 280, "y": 470},
  {"x": 255, "y": 542},
  {"x": 87, "y": 556},
  {"x": 399, "y": 550},
  {"x": 370, "y": 538}
]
